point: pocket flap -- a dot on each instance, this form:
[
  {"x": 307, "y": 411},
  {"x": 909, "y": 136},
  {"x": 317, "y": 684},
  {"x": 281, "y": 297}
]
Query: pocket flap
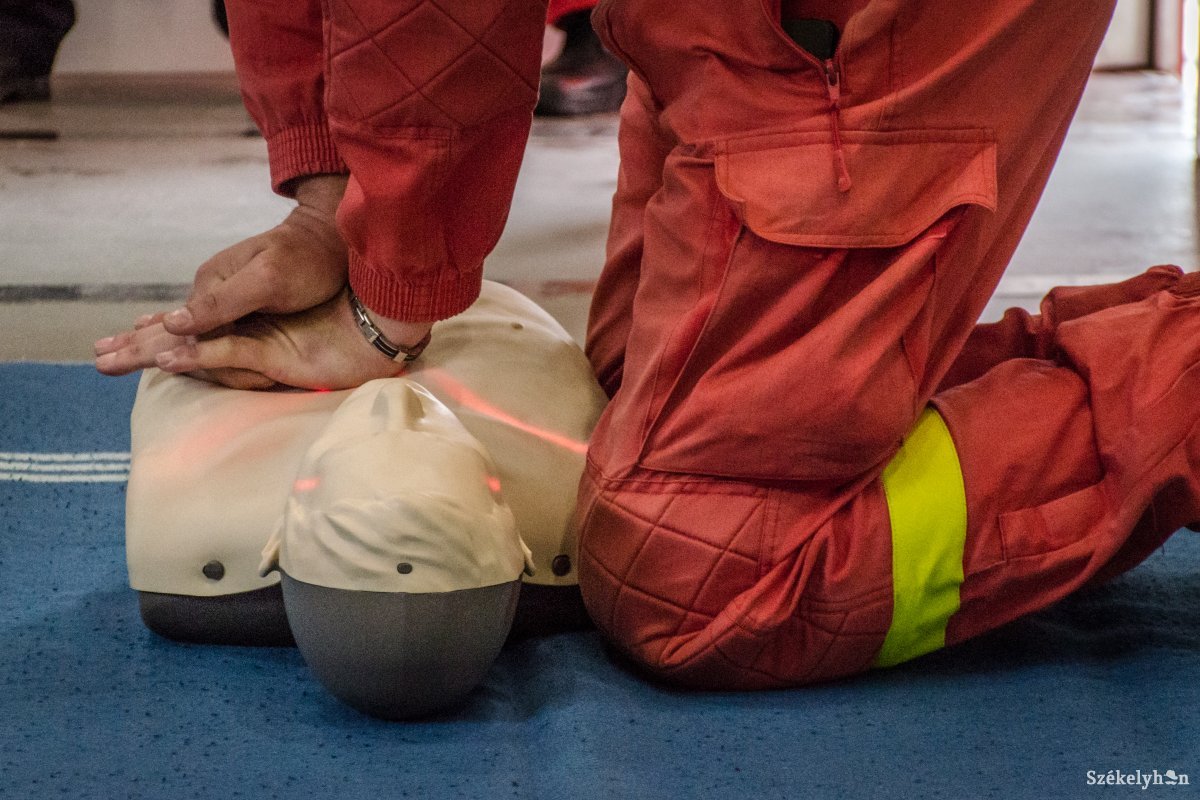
[{"x": 785, "y": 185}]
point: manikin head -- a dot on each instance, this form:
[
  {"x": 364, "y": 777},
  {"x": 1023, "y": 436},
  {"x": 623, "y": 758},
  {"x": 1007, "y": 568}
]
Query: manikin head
[{"x": 401, "y": 563}]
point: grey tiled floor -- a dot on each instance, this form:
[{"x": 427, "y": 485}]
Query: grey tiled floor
[{"x": 147, "y": 179}]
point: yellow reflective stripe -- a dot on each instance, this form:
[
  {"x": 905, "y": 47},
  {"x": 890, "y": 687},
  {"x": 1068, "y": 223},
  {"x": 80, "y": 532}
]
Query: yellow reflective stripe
[{"x": 927, "y": 506}]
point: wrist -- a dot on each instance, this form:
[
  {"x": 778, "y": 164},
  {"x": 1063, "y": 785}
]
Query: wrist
[
  {"x": 321, "y": 193},
  {"x": 393, "y": 337},
  {"x": 400, "y": 332}
]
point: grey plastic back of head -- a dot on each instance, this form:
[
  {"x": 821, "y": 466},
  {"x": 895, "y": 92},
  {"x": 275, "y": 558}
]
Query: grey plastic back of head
[{"x": 397, "y": 655}]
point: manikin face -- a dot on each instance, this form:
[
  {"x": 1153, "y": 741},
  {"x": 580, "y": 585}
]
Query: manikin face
[{"x": 396, "y": 496}]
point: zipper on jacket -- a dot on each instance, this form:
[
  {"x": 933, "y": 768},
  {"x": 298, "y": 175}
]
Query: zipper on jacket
[
  {"x": 833, "y": 85},
  {"x": 832, "y": 74}
]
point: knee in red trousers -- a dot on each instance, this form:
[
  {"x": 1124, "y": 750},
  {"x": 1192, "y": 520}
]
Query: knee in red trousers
[{"x": 716, "y": 584}]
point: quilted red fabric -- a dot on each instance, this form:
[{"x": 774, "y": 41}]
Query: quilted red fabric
[{"x": 428, "y": 104}]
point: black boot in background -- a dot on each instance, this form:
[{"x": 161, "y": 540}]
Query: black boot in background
[
  {"x": 585, "y": 78},
  {"x": 221, "y": 17},
  {"x": 30, "y": 33}
]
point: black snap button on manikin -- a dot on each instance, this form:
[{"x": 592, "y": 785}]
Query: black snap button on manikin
[
  {"x": 561, "y": 565},
  {"x": 404, "y": 568},
  {"x": 214, "y": 570}
]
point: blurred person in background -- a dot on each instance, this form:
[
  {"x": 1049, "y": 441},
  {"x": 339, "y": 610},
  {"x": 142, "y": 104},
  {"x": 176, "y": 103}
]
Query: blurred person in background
[
  {"x": 30, "y": 34},
  {"x": 584, "y": 78}
]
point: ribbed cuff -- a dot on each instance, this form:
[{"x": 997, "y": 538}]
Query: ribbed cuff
[
  {"x": 449, "y": 293},
  {"x": 302, "y": 150}
]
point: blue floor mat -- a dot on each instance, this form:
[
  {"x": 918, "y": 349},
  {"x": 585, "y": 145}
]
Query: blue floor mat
[{"x": 93, "y": 705}]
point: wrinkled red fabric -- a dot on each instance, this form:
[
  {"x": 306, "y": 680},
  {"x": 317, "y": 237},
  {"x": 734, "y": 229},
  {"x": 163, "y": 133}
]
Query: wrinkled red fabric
[
  {"x": 278, "y": 47},
  {"x": 557, "y": 9}
]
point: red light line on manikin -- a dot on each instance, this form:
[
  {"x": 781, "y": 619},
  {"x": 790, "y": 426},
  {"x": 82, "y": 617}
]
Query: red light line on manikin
[{"x": 474, "y": 402}]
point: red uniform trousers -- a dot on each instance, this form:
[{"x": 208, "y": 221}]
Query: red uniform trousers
[{"x": 798, "y": 255}]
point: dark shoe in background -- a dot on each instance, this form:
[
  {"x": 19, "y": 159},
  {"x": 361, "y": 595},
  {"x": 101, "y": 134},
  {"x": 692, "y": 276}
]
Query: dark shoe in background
[
  {"x": 584, "y": 78},
  {"x": 16, "y": 87},
  {"x": 221, "y": 17},
  {"x": 30, "y": 33}
]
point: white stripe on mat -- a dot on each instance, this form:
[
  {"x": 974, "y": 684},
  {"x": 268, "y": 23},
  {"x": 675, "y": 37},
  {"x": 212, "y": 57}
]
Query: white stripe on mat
[
  {"x": 77, "y": 466},
  {"x": 96, "y": 467},
  {"x": 100, "y": 456},
  {"x": 24, "y": 477}
]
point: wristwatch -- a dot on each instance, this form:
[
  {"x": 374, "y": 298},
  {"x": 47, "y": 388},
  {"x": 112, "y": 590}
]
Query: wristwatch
[{"x": 371, "y": 332}]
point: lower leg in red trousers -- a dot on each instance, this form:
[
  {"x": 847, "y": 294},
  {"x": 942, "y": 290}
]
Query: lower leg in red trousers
[{"x": 1077, "y": 469}]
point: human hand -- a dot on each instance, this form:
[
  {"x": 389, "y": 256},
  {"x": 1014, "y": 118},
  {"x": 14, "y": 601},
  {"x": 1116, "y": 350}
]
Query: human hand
[
  {"x": 296, "y": 265},
  {"x": 321, "y": 348},
  {"x": 137, "y": 349}
]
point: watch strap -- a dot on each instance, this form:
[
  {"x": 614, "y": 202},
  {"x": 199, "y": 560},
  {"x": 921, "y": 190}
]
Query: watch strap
[{"x": 372, "y": 333}]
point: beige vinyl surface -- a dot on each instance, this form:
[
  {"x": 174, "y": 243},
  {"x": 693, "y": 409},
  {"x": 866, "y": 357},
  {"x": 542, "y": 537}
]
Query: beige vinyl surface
[{"x": 213, "y": 469}]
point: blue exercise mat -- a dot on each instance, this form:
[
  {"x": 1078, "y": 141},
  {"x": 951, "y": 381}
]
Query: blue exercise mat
[{"x": 92, "y": 705}]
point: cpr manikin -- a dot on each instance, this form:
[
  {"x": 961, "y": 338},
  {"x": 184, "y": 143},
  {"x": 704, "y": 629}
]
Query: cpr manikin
[{"x": 406, "y": 514}]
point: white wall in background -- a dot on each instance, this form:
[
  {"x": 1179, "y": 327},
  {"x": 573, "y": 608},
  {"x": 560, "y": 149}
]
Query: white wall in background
[
  {"x": 1168, "y": 38},
  {"x": 180, "y": 36},
  {"x": 144, "y": 36},
  {"x": 1191, "y": 68},
  {"x": 1128, "y": 36}
]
